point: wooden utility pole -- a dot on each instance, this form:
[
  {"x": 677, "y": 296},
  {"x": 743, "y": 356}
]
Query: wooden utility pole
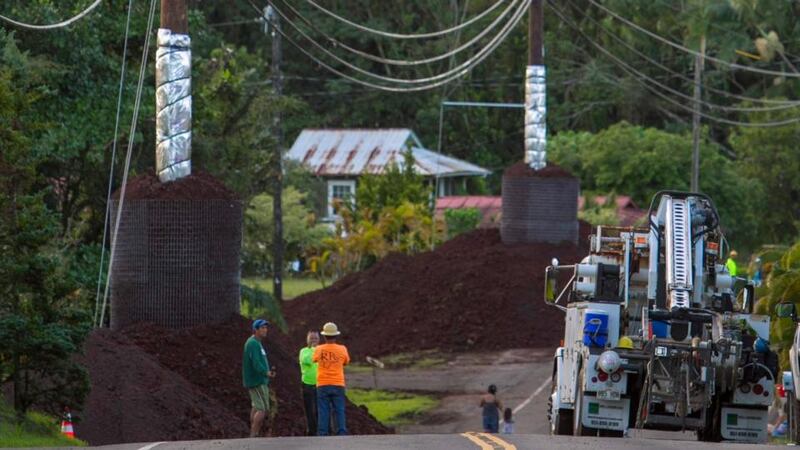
[
  {"x": 277, "y": 132},
  {"x": 535, "y": 33},
  {"x": 173, "y": 16},
  {"x": 698, "y": 80}
]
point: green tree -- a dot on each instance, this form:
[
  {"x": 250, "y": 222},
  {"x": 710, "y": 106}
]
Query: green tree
[
  {"x": 769, "y": 156},
  {"x": 41, "y": 321},
  {"x": 301, "y": 232},
  {"x": 461, "y": 220},
  {"x": 631, "y": 160},
  {"x": 782, "y": 285},
  {"x": 397, "y": 185}
]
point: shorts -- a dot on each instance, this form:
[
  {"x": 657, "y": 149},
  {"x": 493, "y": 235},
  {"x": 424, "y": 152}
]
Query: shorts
[{"x": 259, "y": 397}]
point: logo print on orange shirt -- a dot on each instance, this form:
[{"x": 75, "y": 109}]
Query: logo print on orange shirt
[{"x": 328, "y": 359}]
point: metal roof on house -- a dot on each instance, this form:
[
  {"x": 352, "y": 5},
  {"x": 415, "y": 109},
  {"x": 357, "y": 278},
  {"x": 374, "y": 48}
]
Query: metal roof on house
[{"x": 348, "y": 152}]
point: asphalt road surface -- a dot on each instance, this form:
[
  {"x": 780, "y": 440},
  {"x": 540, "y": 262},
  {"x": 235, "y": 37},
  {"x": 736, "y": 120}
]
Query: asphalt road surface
[{"x": 467, "y": 441}]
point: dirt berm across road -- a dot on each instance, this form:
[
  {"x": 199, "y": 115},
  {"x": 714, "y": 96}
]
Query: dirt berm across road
[{"x": 471, "y": 293}]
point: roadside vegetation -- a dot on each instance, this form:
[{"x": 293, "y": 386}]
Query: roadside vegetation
[
  {"x": 293, "y": 286},
  {"x": 34, "y": 430},
  {"x": 392, "y": 408}
]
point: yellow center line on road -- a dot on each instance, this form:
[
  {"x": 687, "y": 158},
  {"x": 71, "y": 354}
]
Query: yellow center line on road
[
  {"x": 505, "y": 445},
  {"x": 488, "y": 442},
  {"x": 478, "y": 441}
]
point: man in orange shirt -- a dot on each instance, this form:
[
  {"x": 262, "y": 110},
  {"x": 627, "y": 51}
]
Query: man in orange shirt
[{"x": 331, "y": 359}]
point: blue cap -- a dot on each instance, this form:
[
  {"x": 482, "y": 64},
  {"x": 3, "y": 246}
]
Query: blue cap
[
  {"x": 761, "y": 346},
  {"x": 258, "y": 323}
]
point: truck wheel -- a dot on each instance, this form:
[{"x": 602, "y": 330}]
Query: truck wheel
[
  {"x": 561, "y": 425},
  {"x": 794, "y": 410},
  {"x": 713, "y": 429},
  {"x": 577, "y": 425}
]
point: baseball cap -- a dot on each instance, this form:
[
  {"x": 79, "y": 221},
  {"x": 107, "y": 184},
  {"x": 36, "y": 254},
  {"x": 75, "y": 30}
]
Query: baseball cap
[{"x": 258, "y": 323}]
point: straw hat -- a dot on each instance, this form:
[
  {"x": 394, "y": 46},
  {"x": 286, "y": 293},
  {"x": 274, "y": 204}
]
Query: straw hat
[
  {"x": 330, "y": 329},
  {"x": 734, "y": 253}
]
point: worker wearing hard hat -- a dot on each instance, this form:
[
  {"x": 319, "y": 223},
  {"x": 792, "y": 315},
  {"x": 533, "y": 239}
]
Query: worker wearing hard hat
[
  {"x": 331, "y": 357},
  {"x": 733, "y": 269}
]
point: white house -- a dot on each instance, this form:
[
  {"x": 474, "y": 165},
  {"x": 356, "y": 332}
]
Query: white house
[{"x": 340, "y": 156}]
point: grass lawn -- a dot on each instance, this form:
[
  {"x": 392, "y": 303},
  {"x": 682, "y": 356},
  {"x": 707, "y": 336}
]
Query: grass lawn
[
  {"x": 292, "y": 287},
  {"x": 36, "y": 430},
  {"x": 392, "y": 408}
]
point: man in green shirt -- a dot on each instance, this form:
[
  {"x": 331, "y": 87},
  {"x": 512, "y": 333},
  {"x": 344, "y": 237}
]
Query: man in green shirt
[
  {"x": 256, "y": 374},
  {"x": 308, "y": 370}
]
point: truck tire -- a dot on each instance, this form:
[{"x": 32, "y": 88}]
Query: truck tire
[
  {"x": 794, "y": 411},
  {"x": 577, "y": 425},
  {"x": 561, "y": 425},
  {"x": 712, "y": 432}
]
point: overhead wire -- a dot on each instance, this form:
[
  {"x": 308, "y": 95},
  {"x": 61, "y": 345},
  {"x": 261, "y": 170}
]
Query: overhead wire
[
  {"x": 341, "y": 74},
  {"x": 131, "y": 138},
  {"x": 468, "y": 64},
  {"x": 709, "y": 105},
  {"x": 402, "y": 62},
  {"x": 62, "y": 24},
  {"x": 636, "y": 75},
  {"x": 407, "y": 36},
  {"x": 690, "y": 51},
  {"x": 785, "y": 103},
  {"x": 113, "y": 161}
]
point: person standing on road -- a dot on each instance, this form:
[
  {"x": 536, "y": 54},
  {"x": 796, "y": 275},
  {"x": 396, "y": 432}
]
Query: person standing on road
[
  {"x": 331, "y": 358},
  {"x": 733, "y": 269},
  {"x": 256, "y": 374},
  {"x": 491, "y": 410},
  {"x": 508, "y": 421},
  {"x": 308, "y": 371}
]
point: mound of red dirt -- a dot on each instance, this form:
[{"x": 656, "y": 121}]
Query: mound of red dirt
[
  {"x": 197, "y": 186},
  {"x": 551, "y": 170},
  {"x": 154, "y": 384},
  {"x": 471, "y": 293}
]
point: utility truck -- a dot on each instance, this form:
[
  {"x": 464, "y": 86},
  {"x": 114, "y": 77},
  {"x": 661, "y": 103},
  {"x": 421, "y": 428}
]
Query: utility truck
[
  {"x": 655, "y": 337},
  {"x": 791, "y": 377}
]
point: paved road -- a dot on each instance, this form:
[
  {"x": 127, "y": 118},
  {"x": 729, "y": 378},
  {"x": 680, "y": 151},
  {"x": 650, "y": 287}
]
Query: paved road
[
  {"x": 522, "y": 377},
  {"x": 472, "y": 441}
]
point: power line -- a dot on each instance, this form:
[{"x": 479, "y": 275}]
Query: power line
[
  {"x": 491, "y": 47},
  {"x": 234, "y": 22},
  {"x": 135, "y": 118},
  {"x": 787, "y": 103},
  {"x": 634, "y": 73},
  {"x": 468, "y": 64},
  {"x": 113, "y": 160},
  {"x": 407, "y": 36},
  {"x": 690, "y": 51},
  {"x": 54, "y": 25},
  {"x": 400, "y": 62}
]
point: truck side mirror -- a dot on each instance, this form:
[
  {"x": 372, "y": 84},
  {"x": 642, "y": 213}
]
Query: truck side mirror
[
  {"x": 748, "y": 298},
  {"x": 550, "y": 276},
  {"x": 786, "y": 310}
]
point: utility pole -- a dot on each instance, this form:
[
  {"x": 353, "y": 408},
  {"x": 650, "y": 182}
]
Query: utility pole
[
  {"x": 173, "y": 16},
  {"x": 698, "y": 79},
  {"x": 277, "y": 131},
  {"x": 535, "y": 33},
  {"x": 535, "y": 90}
]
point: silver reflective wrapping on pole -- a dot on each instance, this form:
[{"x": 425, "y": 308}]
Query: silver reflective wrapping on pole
[
  {"x": 173, "y": 106},
  {"x": 535, "y": 114}
]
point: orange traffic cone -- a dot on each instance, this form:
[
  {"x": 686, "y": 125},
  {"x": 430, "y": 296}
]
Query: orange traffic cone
[{"x": 66, "y": 425}]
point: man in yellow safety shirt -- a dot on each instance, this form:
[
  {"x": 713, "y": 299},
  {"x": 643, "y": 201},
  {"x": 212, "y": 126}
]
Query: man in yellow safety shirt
[{"x": 731, "y": 263}]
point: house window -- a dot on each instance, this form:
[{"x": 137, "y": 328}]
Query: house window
[{"x": 342, "y": 191}]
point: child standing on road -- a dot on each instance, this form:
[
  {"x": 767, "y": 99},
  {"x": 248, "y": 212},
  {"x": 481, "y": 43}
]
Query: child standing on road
[{"x": 508, "y": 422}]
